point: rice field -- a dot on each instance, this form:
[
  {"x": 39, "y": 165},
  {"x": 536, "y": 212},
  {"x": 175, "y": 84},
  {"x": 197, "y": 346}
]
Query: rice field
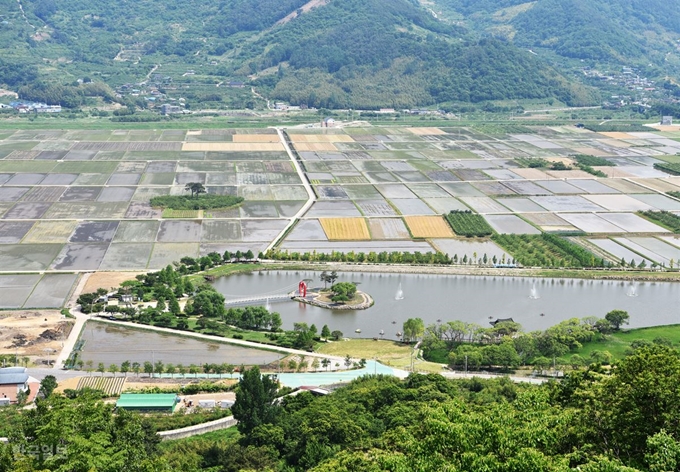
[
  {"x": 428, "y": 227},
  {"x": 345, "y": 229}
]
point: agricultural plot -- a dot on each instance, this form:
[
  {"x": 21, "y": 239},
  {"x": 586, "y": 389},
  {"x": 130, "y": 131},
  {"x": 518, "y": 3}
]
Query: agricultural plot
[
  {"x": 307, "y": 230},
  {"x": 546, "y": 250},
  {"x": 510, "y": 224},
  {"x": 468, "y": 224},
  {"x": 565, "y": 204},
  {"x": 591, "y": 223},
  {"x": 50, "y": 291},
  {"x": 136, "y": 231},
  {"x": 470, "y": 248},
  {"x": 395, "y": 191},
  {"x": 80, "y": 256},
  {"x": 484, "y": 205},
  {"x": 411, "y": 206},
  {"x": 348, "y": 229},
  {"x": 13, "y": 232},
  {"x": 388, "y": 228},
  {"x": 16, "y": 289},
  {"x": 445, "y": 205},
  {"x": 357, "y": 246},
  {"x": 653, "y": 248},
  {"x": 375, "y": 208},
  {"x": 167, "y": 253},
  {"x": 428, "y": 227},
  {"x": 632, "y": 223},
  {"x": 261, "y": 230},
  {"x": 92, "y": 187},
  {"x": 126, "y": 256},
  {"x": 619, "y": 252},
  {"x": 333, "y": 209}
]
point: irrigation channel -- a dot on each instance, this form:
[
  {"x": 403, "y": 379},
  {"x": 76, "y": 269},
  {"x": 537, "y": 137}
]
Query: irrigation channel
[{"x": 534, "y": 303}]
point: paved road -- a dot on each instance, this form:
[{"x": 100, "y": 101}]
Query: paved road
[
  {"x": 81, "y": 318},
  {"x": 311, "y": 197}
]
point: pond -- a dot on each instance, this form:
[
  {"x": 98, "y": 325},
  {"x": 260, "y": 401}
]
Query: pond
[
  {"x": 534, "y": 303},
  {"x": 115, "y": 344}
]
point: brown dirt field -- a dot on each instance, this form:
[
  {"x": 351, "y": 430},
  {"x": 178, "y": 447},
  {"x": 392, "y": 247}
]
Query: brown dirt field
[
  {"x": 107, "y": 280},
  {"x": 31, "y": 324},
  {"x": 426, "y": 131},
  {"x": 321, "y": 138},
  {"x": 569, "y": 174},
  {"x": 233, "y": 147},
  {"x": 665, "y": 127},
  {"x": 256, "y": 138},
  {"x": 617, "y": 135},
  {"x": 592, "y": 151},
  {"x": 315, "y": 147},
  {"x": 68, "y": 383},
  {"x": 616, "y": 143},
  {"x": 532, "y": 174}
]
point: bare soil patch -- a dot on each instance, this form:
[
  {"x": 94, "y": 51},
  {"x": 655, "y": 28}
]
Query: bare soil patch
[
  {"x": 107, "y": 280},
  {"x": 28, "y": 333}
]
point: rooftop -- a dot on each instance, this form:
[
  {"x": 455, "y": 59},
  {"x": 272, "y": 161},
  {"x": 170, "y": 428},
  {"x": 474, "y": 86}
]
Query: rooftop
[{"x": 147, "y": 400}]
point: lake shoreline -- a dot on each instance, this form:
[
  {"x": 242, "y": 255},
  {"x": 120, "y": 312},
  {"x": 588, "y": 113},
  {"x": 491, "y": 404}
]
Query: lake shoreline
[{"x": 647, "y": 276}]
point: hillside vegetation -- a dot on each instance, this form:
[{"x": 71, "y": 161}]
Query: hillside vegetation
[{"x": 346, "y": 53}]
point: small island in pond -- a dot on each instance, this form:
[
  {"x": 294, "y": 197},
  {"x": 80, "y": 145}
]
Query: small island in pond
[{"x": 340, "y": 296}]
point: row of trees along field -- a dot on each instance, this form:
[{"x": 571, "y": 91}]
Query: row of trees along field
[
  {"x": 505, "y": 346},
  {"x": 547, "y": 250}
]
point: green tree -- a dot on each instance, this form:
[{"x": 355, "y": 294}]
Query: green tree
[
  {"x": 253, "y": 406},
  {"x": 413, "y": 329},
  {"x": 125, "y": 367},
  {"x": 47, "y": 385},
  {"x": 343, "y": 291},
  {"x": 617, "y": 318},
  {"x": 196, "y": 188},
  {"x": 325, "y": 332},
  {"x": 101, "y": 368}
]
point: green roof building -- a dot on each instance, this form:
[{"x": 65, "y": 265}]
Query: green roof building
[{"x": 148, "y": 401}]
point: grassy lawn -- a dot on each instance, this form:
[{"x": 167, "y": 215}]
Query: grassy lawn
[
  {"x": 226, "y": 269},
  {"x": 618, "y": 343},
  {"x": 389, "y": 353},
  {"x": 219, "y": 435}
]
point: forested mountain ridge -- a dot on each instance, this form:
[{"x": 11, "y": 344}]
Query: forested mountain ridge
[
  {"x": 340, "y": 54},
  {"x": 625, "y": 31}
]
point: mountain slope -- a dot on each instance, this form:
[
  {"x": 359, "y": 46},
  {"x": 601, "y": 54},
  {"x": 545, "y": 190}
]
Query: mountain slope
[
  {"x": 344, "y": 53},
  {"x": 606, "y": 30}
]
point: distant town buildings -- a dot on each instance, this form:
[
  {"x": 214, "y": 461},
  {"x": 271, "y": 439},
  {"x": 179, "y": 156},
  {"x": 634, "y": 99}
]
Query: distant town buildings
[{"x": 26, "y": 107}]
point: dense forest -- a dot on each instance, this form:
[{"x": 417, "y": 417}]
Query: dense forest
[
  {"x": 614, "y": 31},
  {"x": 600, "y": 419}
]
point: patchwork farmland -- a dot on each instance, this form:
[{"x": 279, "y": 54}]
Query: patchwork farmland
[{"x": 78, "y": 200}]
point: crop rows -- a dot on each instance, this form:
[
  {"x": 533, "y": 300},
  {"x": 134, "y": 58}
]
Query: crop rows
[
  {"x": 546, "y": 250},
  {"x": 664, "y": 218},
  {"x": 349, "y": 229},
  {"x": 111, "y": 386},
  {"x": 428, "y": 227},
  {"x": 672, "y": 168},
  {"x": 468, "y": 224}
]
